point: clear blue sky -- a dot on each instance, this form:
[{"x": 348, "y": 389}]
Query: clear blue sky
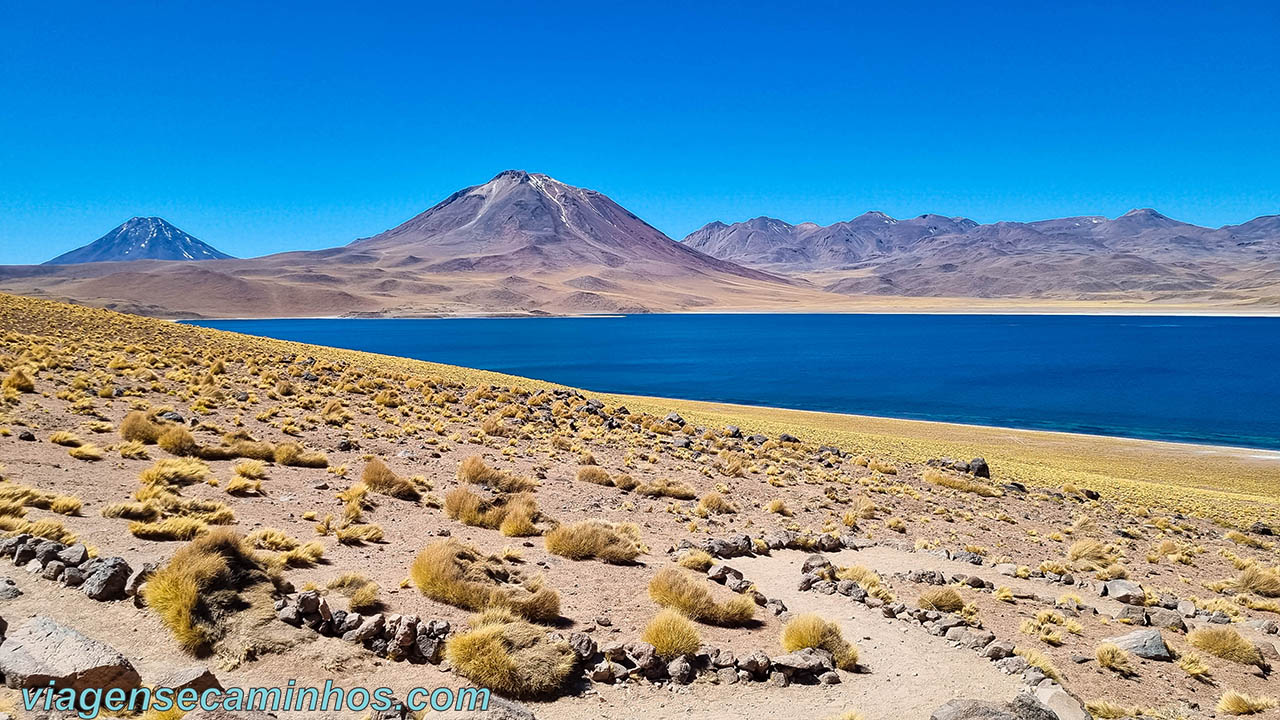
[{"x": 266, "y": 126}]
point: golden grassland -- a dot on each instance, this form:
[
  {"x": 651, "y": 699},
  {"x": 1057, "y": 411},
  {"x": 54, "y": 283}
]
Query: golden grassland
[{"x": 1231, "y": 484}]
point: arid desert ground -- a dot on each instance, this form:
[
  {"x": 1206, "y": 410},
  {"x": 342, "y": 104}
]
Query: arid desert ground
[{"x": 198, "y": 500}]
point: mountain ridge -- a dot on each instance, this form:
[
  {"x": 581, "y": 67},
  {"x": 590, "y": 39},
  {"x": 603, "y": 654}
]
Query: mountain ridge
[{"x": 142, "y": 238}]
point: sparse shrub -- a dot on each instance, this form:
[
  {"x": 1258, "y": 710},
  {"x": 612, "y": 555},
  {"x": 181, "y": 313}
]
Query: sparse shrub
[
  {"x": 66, "y": 505},
  {"x": 381, "y": 479},
  {"x": 305, "y": 555},
  {"x": 88, "y": 452},
  {"x": 699, "y": 560},
  {"x": 1115, "y": 659},
  {"x": 671, "y": 634},
  {"x": 1238, "y": 703},
  {"x": 672, "y": 587},
  {"x": 778, "y": 507},
  {"x": 663, "y": 487},
  {"x": 1194, "y": 665},
  {"x": 942, "y": 599},
  {"x": 174, "y": 528},
  {"x": 200, "y": 586},
  {"x": 594, "y": 474},
  {"x": 607, "y": 541},
  {"x": 1090, "y": 553},
  {"x": 955, "y": 482},
  {"x": 510, "y": 656},
  {"x": 1226, "y": 643},
  {"x": 457, "y": 574},
  {"x": 811, "y": 631},
  {"x": 292, "y": 454},
  {"x": 473, "y": 470}
]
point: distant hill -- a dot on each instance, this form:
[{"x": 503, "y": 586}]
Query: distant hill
[
  {"x": 1140, "y": 255},
  {"x": 521, "y": 243},
  {"x": 141, "y": 238}
]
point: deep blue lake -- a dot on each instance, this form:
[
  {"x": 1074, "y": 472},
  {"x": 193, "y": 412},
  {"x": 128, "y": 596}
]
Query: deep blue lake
[{"x": 1193, "y": 379}]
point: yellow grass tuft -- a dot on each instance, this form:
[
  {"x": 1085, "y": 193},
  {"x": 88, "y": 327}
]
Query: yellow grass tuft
[
  {"x": 174, "y": 528},
  {"x": 942, "y": 599},
  {"x": 672, "y": 587},
  {"x": 594, "y": 474},
  {"x": 612, "y": 543},
  {"x": 810, "y": 630},
  {"x": 1115, "y": 659},
  {"x": 1226, "y": 643},
  {"x": 511, "y": 657},
  {"x": 198, "y": 588},
  {"x": 458, "y": 575},
  {"x": 671, "y": 634},
  {"x": 1238, "y": 703},
  {"x": 381, "y": 479},
  {"x": 473, "y": 470},
  {"x": 955, "y": 482}
]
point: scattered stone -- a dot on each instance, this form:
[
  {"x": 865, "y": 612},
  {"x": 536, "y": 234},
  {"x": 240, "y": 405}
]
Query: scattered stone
[
  {"x": 1125, "y": 591},
  {"x": 43, "y": 651},
  {"x": 1147, "y": 644},
  {"x": 1169, "y": 619},
  {"x": 198, "y": 678},
  {"x": 108, "y": 580}
]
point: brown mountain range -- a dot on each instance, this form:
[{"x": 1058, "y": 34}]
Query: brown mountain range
[
  {"x": 1141, "y": 255},
  {"x": 525, "y": 243}
]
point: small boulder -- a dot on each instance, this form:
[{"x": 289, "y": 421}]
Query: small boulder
[
  {"x": 1146, "y": 643},
  {"x": 43, "y": 652},
  {"x": 1125, "y": 591}
]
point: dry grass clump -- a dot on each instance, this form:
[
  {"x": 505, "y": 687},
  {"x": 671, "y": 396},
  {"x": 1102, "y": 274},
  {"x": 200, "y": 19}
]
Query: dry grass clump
[
  {"x": 1259, "y": 581},
  {"x": 699, "y": 560},
  {"x": 473, "y": 470},
  {"x": 1194, "y": 665},
  {"x": 200, "y": 587},
  {"x": 240, "y": 486},
  {"x": 1090, "y": 553},
  {"x": 19, "y": 381},
  {"x": 672, "y": 587},
  {"x": 173, "y": 528},
  {"x": 380, "y": 479},
  {"x": 1240, "y": 538},
  {"x": 955, "y": 482},
  {"x": 942, "y": 599},
  {"x": 713, "y": 503},
  {"x": 47, "y": 528},
  {"x": 88, "y": 452},
  {"x": 66, "y": 439},
  {"x": 137, "y": 426},
  {"x": 459, "y": 575},
  {"x": 1228, "y": 644},
  {"x": 133, "y": 450},
  {"x": 778, "y": 507},
  {"x": 671, "y": 634},
  {"x": 66, "y": 505},
  {"x": 594, "y": 474},
  {"x": 611, "y": 542},
  {"x": 358, "y": 533},
  {"x": 251, "y": 469},
  {"x": 293, "y": 455},
  {"x": 1115, "y": 659},
  {"x": 811, "y": 631},
  {"x": 175, "y": 472},
  {"x": 1238, "y": 703},
  {"x": 511, "y": 657},
  {"x": 305, "y": 555},
  {"x": 270, "y": 539},
  {"x": 361, "y": 592},
  {"x": 663, "y": 487},
  {"x": 1038, "y": 660},
  {"x": 514, "y": 516}
]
